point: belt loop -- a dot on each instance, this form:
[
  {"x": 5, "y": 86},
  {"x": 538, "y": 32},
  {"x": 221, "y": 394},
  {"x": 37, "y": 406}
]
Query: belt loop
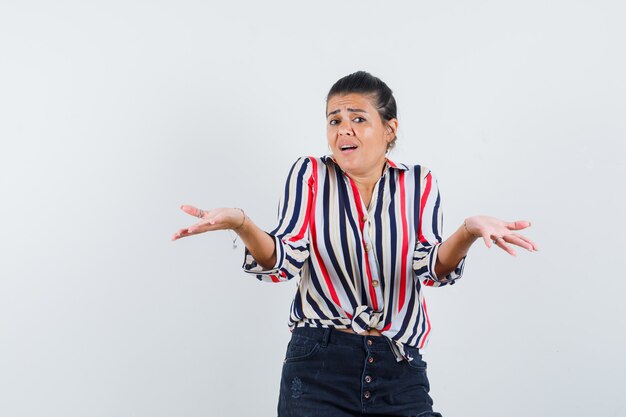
[{"x": 326, "y": 336}]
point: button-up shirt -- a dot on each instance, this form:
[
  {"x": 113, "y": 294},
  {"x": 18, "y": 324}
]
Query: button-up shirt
[{"x": 359, "y": 267}]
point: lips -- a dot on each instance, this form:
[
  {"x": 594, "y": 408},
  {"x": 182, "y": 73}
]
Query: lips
[{"x": 347, "y": 147}]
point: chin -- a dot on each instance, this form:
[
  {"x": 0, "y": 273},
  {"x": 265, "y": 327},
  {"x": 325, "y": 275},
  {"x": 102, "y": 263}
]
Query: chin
[{"x": 349, "y": 166}]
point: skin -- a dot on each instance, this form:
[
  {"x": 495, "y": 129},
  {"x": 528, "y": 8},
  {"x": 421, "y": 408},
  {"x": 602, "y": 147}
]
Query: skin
[
  {"x": 259, "y": 243},
  {"x": 353, "y": 119}
]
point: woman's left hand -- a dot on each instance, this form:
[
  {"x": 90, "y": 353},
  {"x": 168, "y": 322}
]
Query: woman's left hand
[{"x": 499, "y": 232}]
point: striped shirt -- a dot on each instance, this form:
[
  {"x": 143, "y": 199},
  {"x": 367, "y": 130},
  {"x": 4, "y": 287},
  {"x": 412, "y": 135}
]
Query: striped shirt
[{"x": 359, "y": 267}]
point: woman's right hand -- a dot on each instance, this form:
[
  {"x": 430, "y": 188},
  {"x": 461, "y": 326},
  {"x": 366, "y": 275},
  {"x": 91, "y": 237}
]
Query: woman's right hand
[{"x": 215, "y": 219}]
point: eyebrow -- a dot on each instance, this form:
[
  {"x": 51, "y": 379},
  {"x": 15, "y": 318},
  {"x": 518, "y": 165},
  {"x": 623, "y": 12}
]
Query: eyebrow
[{"x": 349, "y": 109}]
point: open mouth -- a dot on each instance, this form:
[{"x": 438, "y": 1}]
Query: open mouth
[{"x": 347, "y": 148}]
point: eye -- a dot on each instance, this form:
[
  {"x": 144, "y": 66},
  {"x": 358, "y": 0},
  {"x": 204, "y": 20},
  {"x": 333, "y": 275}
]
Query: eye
[
  {"x": 333, "y": 122},
  {"x": 358, "y": 119}
]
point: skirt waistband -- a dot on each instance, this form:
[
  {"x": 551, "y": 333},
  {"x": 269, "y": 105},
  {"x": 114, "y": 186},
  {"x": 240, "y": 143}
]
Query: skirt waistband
[{"x": 329, "y": 336}]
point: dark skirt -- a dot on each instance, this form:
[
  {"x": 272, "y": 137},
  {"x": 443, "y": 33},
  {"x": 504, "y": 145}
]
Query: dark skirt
[{"x": 328, "y": 373}]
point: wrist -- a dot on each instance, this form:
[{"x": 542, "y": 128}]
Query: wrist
[
  {"x": 466, "y": 232},
  {"x": 242, "y": 224}
]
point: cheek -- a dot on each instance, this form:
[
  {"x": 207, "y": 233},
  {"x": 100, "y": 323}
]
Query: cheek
[
  {"x": 370, "y": 134},
  {"x": 375, "y": 139},
  {"x": 331, "y": 134}
]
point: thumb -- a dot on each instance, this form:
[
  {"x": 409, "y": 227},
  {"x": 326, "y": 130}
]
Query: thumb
[
  {"x": 191, "y": 210},
  {"x": 518, "y": 225}
]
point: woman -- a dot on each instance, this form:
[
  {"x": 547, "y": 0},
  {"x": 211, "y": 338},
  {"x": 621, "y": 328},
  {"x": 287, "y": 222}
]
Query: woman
[{"x": 363, "y": 234}]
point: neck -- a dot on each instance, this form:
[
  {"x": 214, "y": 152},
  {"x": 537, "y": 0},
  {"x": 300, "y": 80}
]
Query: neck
[{"x": 366, "y": 181}]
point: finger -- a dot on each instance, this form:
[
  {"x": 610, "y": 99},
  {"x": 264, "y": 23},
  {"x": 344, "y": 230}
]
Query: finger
[
  {"x": 181, "y": 233},
  {"x": 201, "y": 227},
  {"x": 487, "y": 240},
  {"x": 193, "y": 211},
  {"x": 518, "y": 225},
  {"x": 527, "y": 240},
  {"x": 194, "y": 229},
  {"x": 516, "y": 240},
  {"x": 501, "y": 243},
  {"x": 208, "y": 222}
]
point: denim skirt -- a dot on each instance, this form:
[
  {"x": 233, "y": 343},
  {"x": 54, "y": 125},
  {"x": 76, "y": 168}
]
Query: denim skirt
[{"x": 329, "y": 373}]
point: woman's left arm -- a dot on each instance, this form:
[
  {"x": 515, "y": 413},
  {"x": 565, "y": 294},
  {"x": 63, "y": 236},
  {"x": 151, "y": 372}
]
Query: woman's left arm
[{"x": 491, "y": 230}]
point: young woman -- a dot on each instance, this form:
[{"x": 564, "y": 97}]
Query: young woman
[{"x": 363, "y": 234}]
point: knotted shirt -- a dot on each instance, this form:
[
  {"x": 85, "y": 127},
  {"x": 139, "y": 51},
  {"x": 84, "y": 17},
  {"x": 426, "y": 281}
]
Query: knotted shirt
[{"x": 359, "y": 267}]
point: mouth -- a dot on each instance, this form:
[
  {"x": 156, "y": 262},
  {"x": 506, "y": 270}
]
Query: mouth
[{"x": 345, "y": 149}]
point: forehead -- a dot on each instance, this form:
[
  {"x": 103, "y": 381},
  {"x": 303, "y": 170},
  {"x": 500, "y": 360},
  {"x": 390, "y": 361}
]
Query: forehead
[{"x": 352, "y": 100}]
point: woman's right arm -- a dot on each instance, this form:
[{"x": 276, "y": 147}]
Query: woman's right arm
[
  {"x": 279, "y": 255},
  {"x": 260, "y": 244}
]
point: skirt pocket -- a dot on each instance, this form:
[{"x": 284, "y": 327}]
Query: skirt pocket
[{"x": 301, "y": 348}]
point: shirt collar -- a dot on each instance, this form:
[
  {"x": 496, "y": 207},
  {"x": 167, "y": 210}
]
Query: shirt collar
[{"x": 389, "y": 164}]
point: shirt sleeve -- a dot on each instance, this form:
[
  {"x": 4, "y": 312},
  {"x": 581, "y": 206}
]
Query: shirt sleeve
[
  {"x": 429, "y": 235},
  {"x": 291, "y": 236}
]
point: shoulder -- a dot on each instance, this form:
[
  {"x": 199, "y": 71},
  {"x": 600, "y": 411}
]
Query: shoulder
[
  {"x": 304, "y": 168},
  {"x": 317, "y": 164},
  {"x": 309, "y": 163},
  {"x": 415, "y": 170}
]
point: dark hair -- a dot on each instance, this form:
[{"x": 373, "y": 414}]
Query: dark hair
[{"x": 365, "y": 83}]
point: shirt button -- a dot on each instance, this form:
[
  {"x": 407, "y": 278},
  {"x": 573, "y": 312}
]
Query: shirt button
[
  {"x": 367, "y": 247},
  {"x": 370, "y": 359},
  {"x": 369, "y": 342},
  {"x": 368, "y": 379},
  {"x": 366, "y": 394},
  {"x": 374, "y": 283},
  {"x": 364, "y": 219}
]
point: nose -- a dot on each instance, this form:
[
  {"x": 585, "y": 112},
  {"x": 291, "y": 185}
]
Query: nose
[{"x": 345, "y": 129}]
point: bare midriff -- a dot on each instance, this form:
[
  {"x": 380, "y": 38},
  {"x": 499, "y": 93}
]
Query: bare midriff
[{"x": 371, "y": 332}]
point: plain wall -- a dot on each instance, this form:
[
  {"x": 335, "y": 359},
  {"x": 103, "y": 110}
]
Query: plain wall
[{"x": 113, "y": 114}]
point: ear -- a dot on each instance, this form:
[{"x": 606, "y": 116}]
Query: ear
[{"x": 391, "y": 130}]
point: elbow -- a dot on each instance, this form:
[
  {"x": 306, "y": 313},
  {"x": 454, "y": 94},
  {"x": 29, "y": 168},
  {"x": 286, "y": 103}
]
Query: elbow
[
  {"x": 267, "y": 263},
  {"x": 442, "y": 270}
]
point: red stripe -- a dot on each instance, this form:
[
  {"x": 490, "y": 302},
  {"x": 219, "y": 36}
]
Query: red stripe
[
  {"x": 425, "y": 336},
  {"x": 405, "y": 241},
  {"x": 357, "y": 198},
  {"x": 423, "y": 200},
  {"x": 313, "y": 243},
  {"x": 275, "y": 278}
]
